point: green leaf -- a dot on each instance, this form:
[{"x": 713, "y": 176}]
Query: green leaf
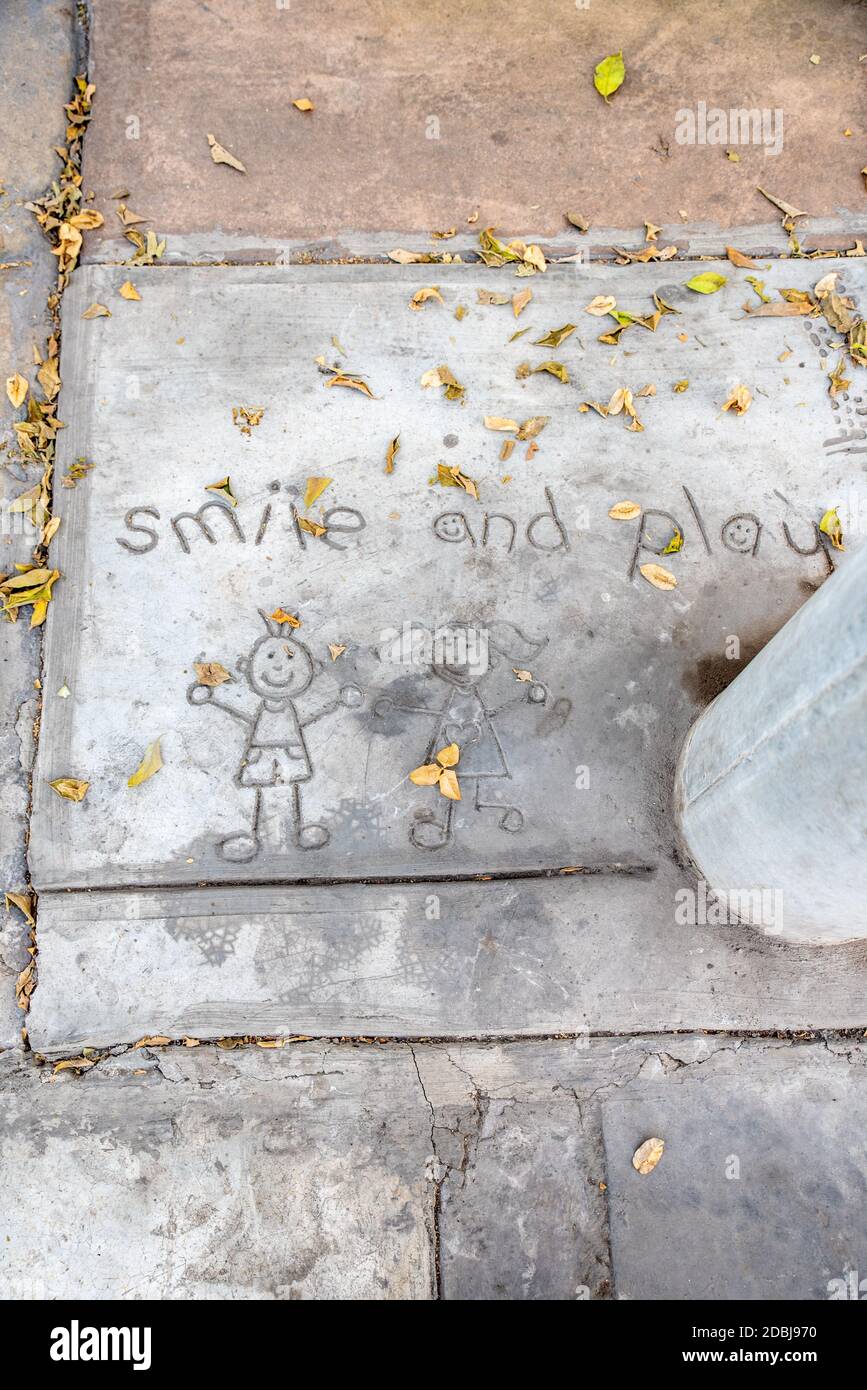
[
  {"x": 609, "y": 75},
  {"x": 706, "y": 283}
]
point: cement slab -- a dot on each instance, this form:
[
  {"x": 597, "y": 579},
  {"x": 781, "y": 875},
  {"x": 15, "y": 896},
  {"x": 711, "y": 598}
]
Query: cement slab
[
  {"x": 327, "y": 1170},
  {"x": 425, "y": 115},
  {"x": 568, "y": 770}
]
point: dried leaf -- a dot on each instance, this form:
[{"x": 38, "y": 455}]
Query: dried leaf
[
  {"x": 449, "y": 756},
  {"x": 576, "y": 220},
  {"x": 651, "y": 232},
  {"x": 521, "y": 675},
  {"x": 780, "y": 309},
  {"x": 426, "y": 776},
  {"x": 422, "y": 296},
  {"x": 70, "y": 788},
  {"x": 247, "y": 417},
  {"x": 413, "y": 257},
  {"x": 790, "y": 212},
  {"x": 738, "y": 258},
  {"x": 681, "y": 386},
  {"x": 211, "y": 673},
  {"x": 453, "y": 477},
  {"x": 25, "y": 902},
  {"x": 460, "y": 312},
  {"x": 601, "y": 305},
  {"x": 223, "y": 489},
  {"x": 609, "y": 75},
  {"x": 149, "y": 765},
  {"x": 554, "y": 369},
  {"x": 838, "y": 382},
  {"x": 657, "y": 576},
  {"x": 281, "y": 616},
  {"x": 493, "y": 297},
  {"x": 739, "y": 399},
  {"x": 624, "y": 511},
  {"x": 128, "y": 290},
  {"x": 441, "y": 376},
  {"x": 355, "y": 383},
  {"x": 391, "y": 454},
  {"x": 128, "y": 217},
  {"x": 520, "y": 301},
  {"x": 648, "y": 390},
  {"x": 499, "y": 422},
  {"x": 530, "y": 428},
  {"x": 446, "y": 235},
  {"x": 222, "y": 156},
  {"x": 708, "y": 282},
  {"x": 313, "y": 528},
  {"x": 314, "y": 490},
  {"x": 674, "y": 545},
  {"x": 831, "y": 526},
  {"x": 17, "y": 387},
  {"x": 647, "y": 1155},
  {"x": 555, "y": 336},
  {"x": 336, "y": 649},
  {"x": 449, "y": 786},
  {"x": 97, "y": 311},
  {"x": 303, "y": 104}
]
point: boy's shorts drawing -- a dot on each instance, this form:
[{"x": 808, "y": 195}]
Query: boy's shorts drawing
[{"x": 271, "y": 766}]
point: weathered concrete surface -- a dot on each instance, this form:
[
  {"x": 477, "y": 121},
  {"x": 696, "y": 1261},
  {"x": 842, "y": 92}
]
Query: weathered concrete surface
[
  {"x": 760, "y": 1191},
  {"x": 332, "y": 1171},
  {"x": 36, "y": 64},
  {"x": 519, "y": 132},
  {"x": 619, "y": 668}
]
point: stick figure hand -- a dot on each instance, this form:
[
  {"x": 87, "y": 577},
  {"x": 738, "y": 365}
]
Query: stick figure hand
[
  {"x": 383, "y": 706},
  {"x": 537, "y": 693},
  {"x": 351, "y": 696},
  {"x": 199, "y": 694}
]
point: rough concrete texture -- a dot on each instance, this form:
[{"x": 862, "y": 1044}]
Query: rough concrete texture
[
  {"x": 476, "y": 1171},
  {"x": 36, "y": 61},
  {"x": 426, "y": 114},
  {"x": 570, "y": 769}
]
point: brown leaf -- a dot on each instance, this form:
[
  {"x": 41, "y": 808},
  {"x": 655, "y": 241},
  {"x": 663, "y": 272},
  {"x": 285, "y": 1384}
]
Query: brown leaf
[
  {"x": 222, "y": 156},
  {"x": 738, "y": 258},
  {"x": 647, "y": 1155},
  {"x": 530, "y": 428},
  {"x": 25, "y": 902},
  {"x": 739, "y": 399},
  {"x": 453, "y": 477},
  {"x": 70, "y": 788},
  {"x": 657, "y": 576},
  {"x": 391, "y": 454},
  {"x": 499, "y": 422},
  {"x": 520, "y": 301},
  {"x": 624, "y": 511},
  {"x": 97, "y": 311},
  {"x": 422, "y": 296},
  {"x": 493, "y": 297},
  {"x": 336, "y": 649},
  {"x": 16, "y": 389},
  {"x": 211, "y": 673},
  {"x": 576, "y": 220}
]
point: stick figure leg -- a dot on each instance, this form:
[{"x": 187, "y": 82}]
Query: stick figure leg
[
  {"x": 310, "y": 836},
  {"x": 426, "y": 832},
  {"x": 241, "y": 848},
  {"x": 511, "y": 818}
]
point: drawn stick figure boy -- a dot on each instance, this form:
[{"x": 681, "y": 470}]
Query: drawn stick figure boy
[{"x": 276, "y": 758}]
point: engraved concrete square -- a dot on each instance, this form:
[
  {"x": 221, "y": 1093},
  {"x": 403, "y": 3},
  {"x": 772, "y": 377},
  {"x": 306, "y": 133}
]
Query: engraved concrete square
[{"x": 515, "y": 624}]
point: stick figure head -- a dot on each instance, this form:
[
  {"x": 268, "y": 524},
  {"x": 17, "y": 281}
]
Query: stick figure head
[{"x": 278, "y": 667}]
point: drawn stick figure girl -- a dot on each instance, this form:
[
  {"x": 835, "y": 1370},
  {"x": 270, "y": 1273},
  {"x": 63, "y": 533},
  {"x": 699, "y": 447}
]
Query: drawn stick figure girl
[
  {"x": 276, "y": 755},
  {"x": 462, "y": 661}
]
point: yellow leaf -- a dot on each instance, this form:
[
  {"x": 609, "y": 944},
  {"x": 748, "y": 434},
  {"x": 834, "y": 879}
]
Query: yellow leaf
[
  {"x": 391, "y": 454},
  {"x": 554, "y": 369},
  {"x": 336, "y": 649},
  {"x": 16, "y": 389},
  {"x": 422, "y": 296},
  {"x": 555, "y": 336},
  {"x": 831, "y": 526},
  {"x": 624, "y": 511},
  {"x": 601, "y": 305},
  {"x": 449, "y": 757},
  {"x": 609, "y": 74},
  {"x": 681, "y": 386},
  {"x": 223, "y": 489},
  {"x": 499, "y": 422},
  {"x": 426, "y": 776},
  {"x": 281, "y": 616},
  {"x": 150, "y": 764},
  {"x": 448, "y": 785},
  {"x": 222, "y": 156},
  {"x": 97, "y": 311},
  {"x": 160, "y": 1040},
  {"x": 211, "y": 673},
  {"x": 303, "y": 104},
  {"x": 739, "y": 399},
  {"x": 128, "y": 290},
  {"x": 355, "y": 383},
  {"x": 70, "y": 788},
  {"x": 25, "y": 903},
  {"x": 312, "y": 528},
  {"x": 657, "y": 576},
  {"x": 647, "y": 1155},
  {"x": 315, "y": 489},
  {"x": 707, "y": 283}
]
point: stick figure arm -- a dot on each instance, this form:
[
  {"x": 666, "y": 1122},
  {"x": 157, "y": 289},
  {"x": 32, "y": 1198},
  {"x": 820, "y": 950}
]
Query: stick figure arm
[
  {"x": 320, "y": 714},
  {"x": 203, "y": 695},
  {"x": 385, "y": 705},
  {"x": 535, "y": 694}
]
